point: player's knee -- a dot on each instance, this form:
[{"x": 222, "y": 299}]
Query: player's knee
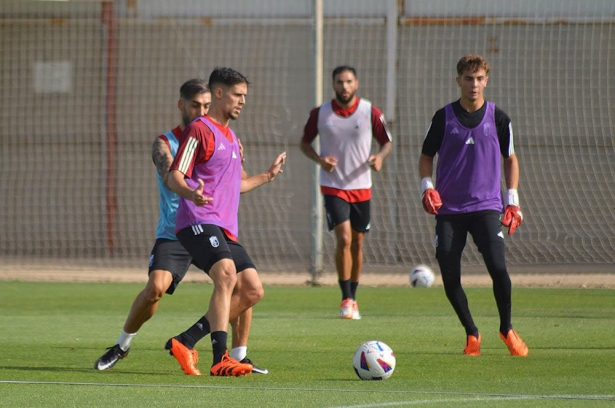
[
  {"x": 499, "y": 274},
  {"x": 249, "y": 286},
  {"x": 227, "y": 280},
  {"x": 157, "y": 285},
  {"x": 153, "y": 293},
  {"x": 224, "y": 274},
  {"x": 258, "y": 294},
  {"x": 253, "y": 293},
  {"x": 253, "y": 297},
  {"x": 344, "y": 241}
]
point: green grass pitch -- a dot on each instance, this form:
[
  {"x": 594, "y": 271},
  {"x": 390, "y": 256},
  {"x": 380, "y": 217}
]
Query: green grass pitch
[{"x": 51, "y": 334}]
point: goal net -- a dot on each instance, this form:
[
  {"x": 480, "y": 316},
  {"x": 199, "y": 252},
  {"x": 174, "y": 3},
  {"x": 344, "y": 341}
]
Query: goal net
[{"x": 87, "y": 86}]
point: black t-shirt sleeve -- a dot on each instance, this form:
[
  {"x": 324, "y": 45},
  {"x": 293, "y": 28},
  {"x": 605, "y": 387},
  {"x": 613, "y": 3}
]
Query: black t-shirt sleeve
[
  {"x": 435, "y": 134},
  {"x": 505, "y": 135}
]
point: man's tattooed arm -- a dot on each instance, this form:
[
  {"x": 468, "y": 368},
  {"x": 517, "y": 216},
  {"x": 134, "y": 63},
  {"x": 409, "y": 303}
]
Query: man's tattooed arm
[{"x": 161, "y": 154}]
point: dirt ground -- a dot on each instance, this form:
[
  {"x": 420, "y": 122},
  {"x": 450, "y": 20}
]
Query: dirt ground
[{"x": 569, "y": 276}]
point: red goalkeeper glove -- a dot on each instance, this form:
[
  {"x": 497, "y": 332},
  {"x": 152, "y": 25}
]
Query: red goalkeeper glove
[
  {"x": 431, "y": 201},
  {"x": 512, "y": 218}
]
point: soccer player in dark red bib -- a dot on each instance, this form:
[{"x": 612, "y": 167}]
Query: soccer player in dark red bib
[{"x": 470, "y": 137}]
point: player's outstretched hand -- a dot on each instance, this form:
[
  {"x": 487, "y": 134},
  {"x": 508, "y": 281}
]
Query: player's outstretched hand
[
  {"x": 431, "y": 201},
  {"x": 276, "y": 166},
  {"x": 513, "y": 217},
  {"x": 197, "y": 195}
]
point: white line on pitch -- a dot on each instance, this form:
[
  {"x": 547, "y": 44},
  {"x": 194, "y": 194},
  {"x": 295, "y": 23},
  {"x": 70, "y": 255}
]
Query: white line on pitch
[
  {"x": 414, "y": 392},
  {"x": 435, "y": 401}
]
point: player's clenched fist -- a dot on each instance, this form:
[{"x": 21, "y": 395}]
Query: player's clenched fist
[
  {"x": 431, "y": 201},
  {"x": 513, "y": 217}
]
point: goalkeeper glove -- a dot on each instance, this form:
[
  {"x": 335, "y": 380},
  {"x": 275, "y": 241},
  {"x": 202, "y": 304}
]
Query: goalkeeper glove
[
  {"x": 513, "y": 217},
  {"x": 431, "y": 201}
]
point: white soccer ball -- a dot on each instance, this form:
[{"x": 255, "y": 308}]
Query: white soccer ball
[
  {"x": 421, "y": 276},
  {"x": 374, "y": 360}
]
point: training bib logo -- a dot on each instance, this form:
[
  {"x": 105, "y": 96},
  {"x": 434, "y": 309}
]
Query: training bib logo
[{"x": 487, "y": 129}]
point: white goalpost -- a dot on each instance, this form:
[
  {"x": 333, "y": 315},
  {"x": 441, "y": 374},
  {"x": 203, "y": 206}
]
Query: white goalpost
[{"x": 316, "y": 260}]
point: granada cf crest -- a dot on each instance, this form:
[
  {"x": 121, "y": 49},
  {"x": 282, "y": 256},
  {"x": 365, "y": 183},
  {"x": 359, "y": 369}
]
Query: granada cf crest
[
  {"x": 213, "y": 240},
  {"x": 487, "y": 129}
]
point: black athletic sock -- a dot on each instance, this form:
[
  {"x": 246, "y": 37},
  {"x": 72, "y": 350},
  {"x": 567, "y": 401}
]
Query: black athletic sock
[
  {"x": 504, "y": 330},
  {"x": 345, "y": 286},
  {"x": 218, "y": 345},
  {"x": 196, "y": 332},
  {"x": 353, "y": 289}
]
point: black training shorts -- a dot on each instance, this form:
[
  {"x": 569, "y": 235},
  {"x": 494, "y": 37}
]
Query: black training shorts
[
  {"x": 170, "y": 255},
  {"x": 208, "y": 244},
  {"x": 339, "y": 210}
]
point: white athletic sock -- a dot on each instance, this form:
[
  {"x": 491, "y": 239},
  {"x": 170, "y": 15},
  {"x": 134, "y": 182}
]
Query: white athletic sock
[
  {"x": 125, "y": 339},
  {"x": 239, "y": 353}
]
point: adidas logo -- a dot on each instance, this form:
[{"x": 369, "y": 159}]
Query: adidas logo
[
  {"x": 470, "y": 141},
  {"x": 200, "y": 326},
  {"x": 501, "y": 234},
  {"x": 455, "y": 131},
  {"x": 234, "y": 155},
  {"x": 197, "y": 229},
  {"x": 221, "y": 147}
]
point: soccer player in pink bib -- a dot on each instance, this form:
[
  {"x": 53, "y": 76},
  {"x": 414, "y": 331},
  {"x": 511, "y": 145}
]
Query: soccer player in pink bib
[
  {"x": 207, "y": 175},
  {"x": 169, "y": 261}
]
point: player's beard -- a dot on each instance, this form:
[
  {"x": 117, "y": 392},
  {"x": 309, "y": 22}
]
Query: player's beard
[
  {"x": 186, "y": 119},
  {"x": 342, "y": 100}
]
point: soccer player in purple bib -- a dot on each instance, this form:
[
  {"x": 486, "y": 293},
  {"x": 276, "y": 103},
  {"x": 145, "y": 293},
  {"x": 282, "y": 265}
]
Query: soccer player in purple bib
[
  {"x": 208, "y": 177},
  {"x": 470, "y": 136}
]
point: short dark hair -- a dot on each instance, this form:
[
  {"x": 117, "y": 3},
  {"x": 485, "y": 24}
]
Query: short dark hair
[
  {"x": 472, "y": 63},
  {"x": 227, "y": 77},
  {"x": 343, "y": 68},
  {"x": 193, "y": 87}
]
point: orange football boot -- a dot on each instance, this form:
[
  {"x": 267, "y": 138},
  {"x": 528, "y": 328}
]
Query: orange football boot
[
  {"x": 186, "y": 357},
  {"x": 230, "y": 367},
  {"x": 472, "y": 347},
  {"x": 515, "y": 345}
]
